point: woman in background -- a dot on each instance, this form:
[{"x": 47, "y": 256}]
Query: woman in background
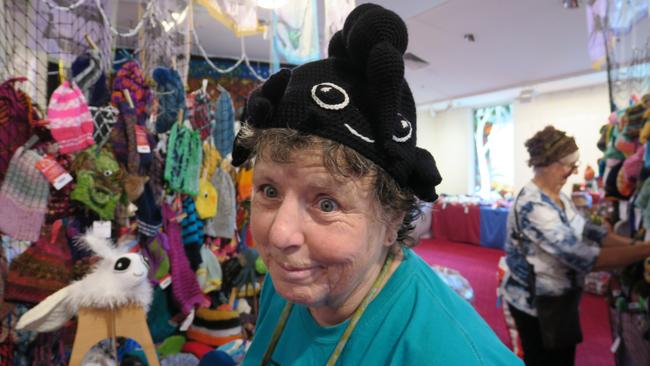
[{"x": 549, "y": 250}]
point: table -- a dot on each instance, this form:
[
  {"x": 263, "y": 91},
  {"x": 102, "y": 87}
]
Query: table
[{"x": 472, "y": 224}]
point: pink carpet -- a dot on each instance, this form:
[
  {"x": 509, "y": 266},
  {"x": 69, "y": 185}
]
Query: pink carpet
[{"x": 478, "y": 265}]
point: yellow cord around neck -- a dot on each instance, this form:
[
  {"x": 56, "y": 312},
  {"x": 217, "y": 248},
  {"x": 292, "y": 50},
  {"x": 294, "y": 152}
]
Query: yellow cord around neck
[{"x": 354, "y": 320}]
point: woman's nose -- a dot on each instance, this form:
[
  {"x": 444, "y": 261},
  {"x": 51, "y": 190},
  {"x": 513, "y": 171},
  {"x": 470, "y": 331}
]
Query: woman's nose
[{"x": 287, "y": 227}]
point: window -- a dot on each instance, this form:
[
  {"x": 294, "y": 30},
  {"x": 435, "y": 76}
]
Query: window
[{"x": 494, "y": 149}]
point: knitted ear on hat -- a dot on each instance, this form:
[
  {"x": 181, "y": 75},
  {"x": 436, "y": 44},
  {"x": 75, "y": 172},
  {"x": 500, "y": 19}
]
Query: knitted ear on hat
[{"x": 261, "y": 104}]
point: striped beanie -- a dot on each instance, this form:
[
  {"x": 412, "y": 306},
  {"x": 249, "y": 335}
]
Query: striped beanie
[
  {"x": 23, "y": 197},
  {"x": 69, "y": 117},
  {"x": 223, "y": 131},
  {"x": 215, "y": 327}
]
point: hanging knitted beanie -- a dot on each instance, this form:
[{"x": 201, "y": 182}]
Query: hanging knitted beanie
[
  {"x": 156, "y": 252},
  {"x": 42, "y": 269},
  {"x": 23, "y": 197},
  {"x": 184, "y": 155},
  {"x": 223, "y": 129},
  {"x": 88, "y": 74},
  {"x": 171, "y": 97},
  {"x": 206, "y": 200},
  {"x": 131, "y": 78},
  {"x": 59, "y": 203},
  {"x": 15, "y": 117},
  {"x": 357, "y": 97},
  {"x": 201, "y": 115},
  {"x": 69, "y": 118},
  {"x": 223, "y": 223},
  {"x": 215, "y": 327},
  {"x": 148, "y": 214},
  {"x": 192, "y": 224},
  {"x": 185, "y": 287}
]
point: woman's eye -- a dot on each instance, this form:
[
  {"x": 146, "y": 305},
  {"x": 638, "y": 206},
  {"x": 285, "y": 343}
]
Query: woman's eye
[
  {"x": 327, "y": 205},
  {"x": 269, "y": 191}
]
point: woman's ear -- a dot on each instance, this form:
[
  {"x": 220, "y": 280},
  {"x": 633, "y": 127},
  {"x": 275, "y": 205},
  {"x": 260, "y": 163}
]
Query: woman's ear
[{"x": 392, "y": 228}]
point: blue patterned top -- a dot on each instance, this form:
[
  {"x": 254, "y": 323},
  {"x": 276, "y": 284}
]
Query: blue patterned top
[{"x": 559, "y": 243}]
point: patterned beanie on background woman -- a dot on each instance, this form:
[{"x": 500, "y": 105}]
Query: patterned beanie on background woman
[
  {"x": 23, "y": 197},
  {"x": 69, "y": 117}
]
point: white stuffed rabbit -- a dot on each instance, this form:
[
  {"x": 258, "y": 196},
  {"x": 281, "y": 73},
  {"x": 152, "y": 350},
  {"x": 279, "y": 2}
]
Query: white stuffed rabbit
[{"x": 119, "y": 278}]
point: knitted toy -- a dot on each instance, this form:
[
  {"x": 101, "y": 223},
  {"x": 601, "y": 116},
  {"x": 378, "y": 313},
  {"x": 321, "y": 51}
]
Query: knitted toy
[
  {"x": 207, "y": 199},
  {"x": 98, "y": 178},
  {"x": 118, "y": 279}
]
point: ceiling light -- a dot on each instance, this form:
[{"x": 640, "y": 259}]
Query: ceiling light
[
  {"x": 469, "y": 37},
  {"x": 571, "y": 4},
  {"x": 271, "y": 4}
]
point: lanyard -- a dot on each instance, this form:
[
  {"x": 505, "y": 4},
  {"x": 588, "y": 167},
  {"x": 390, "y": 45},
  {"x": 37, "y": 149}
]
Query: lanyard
[{"x": 348, "y": 331}]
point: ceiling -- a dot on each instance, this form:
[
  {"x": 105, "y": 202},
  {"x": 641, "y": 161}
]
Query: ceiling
[{"x": 518, "y": 43}]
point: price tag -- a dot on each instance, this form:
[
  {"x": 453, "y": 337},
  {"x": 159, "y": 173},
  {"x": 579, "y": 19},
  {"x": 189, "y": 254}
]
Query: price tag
[
  {"x": 165, "y": 281},
  {"x": 102, "y": 228},
  {"x": 141, "y": 140},
  {"x": 615, "y": 345},
  {"x": 187, "y": 322},
  {"x": 54, "y": 172}
]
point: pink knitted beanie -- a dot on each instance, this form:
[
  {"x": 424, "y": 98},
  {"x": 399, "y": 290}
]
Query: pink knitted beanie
[
  {"x": 70, "y": 121},
  {"x": 23, "y": 197}
]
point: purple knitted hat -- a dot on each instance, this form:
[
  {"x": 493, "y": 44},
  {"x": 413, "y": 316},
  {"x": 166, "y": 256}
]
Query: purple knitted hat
[
  {"x": 23, "y": 197},
  {"x": 185, "y": 286}
]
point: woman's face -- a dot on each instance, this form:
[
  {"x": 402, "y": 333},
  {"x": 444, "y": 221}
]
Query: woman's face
[
  {"x": 565, "y": 167},
  {"x": 319, "y": 235}
]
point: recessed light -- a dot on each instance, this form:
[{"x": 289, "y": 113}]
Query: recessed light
[{"x": 469, "y": 37}]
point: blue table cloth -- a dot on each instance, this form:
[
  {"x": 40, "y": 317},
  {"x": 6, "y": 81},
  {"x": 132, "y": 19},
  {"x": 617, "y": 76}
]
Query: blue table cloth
[{"x": 493, "y": 226}]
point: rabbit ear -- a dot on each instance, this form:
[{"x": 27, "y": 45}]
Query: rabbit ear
[
  {"x": 101, "y": 246},
  {"x": 50, "y": 314}
]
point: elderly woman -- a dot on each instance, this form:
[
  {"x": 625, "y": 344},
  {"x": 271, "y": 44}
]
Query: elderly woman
[
  {"x": 550, "y": 249},
  {"x": 336, "y": 177}
]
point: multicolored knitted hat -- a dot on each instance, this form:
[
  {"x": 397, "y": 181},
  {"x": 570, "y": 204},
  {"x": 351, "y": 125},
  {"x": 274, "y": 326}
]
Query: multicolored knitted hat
[
  {"x": 69, "y": 117},
  {"x": 357, "y": 97},
  {"x": 215, "y": 327},
  {"x": 15, "y": 121},
  {"x": 42, "y": 269},
  {"x": 23, "y": 197}
]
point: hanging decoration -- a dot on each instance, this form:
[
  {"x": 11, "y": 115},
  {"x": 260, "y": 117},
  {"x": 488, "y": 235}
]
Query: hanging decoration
[
  {"x": 335, "y": 13},
  {"x": 240, "y": 16},
  {"x": 295, "y": 34}
]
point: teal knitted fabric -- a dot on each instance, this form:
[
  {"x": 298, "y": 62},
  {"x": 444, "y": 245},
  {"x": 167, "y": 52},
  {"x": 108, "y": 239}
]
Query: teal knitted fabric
[{"x": 183, "y": 163}]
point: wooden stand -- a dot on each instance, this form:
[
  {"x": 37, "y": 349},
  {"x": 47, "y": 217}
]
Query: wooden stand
[{"x": 96, "y": 324}]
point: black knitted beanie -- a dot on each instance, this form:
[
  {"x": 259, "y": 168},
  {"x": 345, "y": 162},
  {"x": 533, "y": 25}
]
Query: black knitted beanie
[{"x": 357, "y": 97}]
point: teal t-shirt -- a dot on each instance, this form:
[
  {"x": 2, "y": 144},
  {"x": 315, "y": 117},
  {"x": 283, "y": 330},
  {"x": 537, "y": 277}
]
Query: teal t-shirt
[{"x": 415, "y": 320}]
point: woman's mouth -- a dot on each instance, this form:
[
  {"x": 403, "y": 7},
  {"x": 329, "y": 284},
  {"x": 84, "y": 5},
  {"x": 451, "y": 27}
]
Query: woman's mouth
[{"x": 298, "y": 273}]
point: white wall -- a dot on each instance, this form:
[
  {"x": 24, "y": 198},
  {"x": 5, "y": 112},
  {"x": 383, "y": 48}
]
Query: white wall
[
  {"x": 448, "y": 135},
  {"x": 579, "y": 112}
]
